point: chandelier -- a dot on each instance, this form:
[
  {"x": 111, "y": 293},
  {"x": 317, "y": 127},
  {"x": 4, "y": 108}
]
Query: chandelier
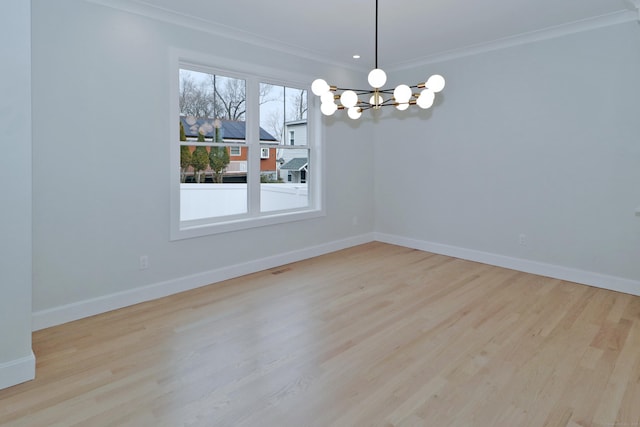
[{"x": 355, "y": 101}]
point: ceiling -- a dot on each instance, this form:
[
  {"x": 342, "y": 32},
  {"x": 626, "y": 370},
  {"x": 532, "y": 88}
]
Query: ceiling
[{"x": 410, "y": 31}]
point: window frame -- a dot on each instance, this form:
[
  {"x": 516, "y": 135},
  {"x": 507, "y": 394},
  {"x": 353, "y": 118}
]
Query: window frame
[{"x": 254, "y": 75}]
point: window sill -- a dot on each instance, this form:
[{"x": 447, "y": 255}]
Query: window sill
[{"x": 188, "y": 231}]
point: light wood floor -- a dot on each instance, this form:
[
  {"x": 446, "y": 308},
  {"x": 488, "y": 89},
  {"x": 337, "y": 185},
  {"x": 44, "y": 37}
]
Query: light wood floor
[{"x": 375, "y": 335}]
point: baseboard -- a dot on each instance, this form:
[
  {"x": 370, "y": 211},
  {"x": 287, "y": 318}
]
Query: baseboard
[
  {"x": 17, "y": 371},
  {"x": 67, "y": 313},
  {"x": 70, "y": 312},
  {"x": 598, "y": 280}
]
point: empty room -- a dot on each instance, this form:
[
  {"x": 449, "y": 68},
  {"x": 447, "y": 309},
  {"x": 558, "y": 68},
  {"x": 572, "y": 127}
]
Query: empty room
[{"x": 338, "y": 213}]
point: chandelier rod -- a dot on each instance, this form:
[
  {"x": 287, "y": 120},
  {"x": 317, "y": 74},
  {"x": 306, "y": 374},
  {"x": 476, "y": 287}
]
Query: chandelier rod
[{"x": 376, "y": 34}]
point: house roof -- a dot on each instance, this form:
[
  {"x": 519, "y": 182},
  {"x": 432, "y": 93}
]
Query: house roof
[
  {"x": 230, "y": 129},
  {"x": 296, "y": 122},
  {"x": 295, "y": 164}
]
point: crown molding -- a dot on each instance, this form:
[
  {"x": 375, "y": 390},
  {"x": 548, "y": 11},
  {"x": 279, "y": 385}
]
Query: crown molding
[
  {"x": 520, "y": 39},
  {"x": 219, "y": 30}
]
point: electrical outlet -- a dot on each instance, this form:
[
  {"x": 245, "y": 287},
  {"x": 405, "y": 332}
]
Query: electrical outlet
[
  {"x": 144, "y": 262},
  {"x": 522, "y": 240}
]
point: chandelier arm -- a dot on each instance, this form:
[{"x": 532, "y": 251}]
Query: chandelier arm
[
  {"x": 368, "y": 106},
  {"x": 357, "y": 91},
  {"x": 369, "y": 91}
]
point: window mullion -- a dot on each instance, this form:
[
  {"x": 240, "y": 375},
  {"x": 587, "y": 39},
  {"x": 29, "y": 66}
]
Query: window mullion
[{"x": 253, "y": 143}]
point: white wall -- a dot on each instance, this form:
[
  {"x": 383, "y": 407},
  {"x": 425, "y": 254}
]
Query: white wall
[
  {"x": 17, "y": 363},
  {"x": 100, "y": 109},
  {"x": 541, "y": 139}
]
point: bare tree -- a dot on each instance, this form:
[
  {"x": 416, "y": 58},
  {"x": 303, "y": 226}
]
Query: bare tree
[
  {"x": 298, "y": 104},
  {"x": 230, "y": 97},
  {"x": 195, "y": 99},
  {"x": 215, "y": 96},
  {"x": 187, "y": 87},
  {"x": 275, "y": 124},
  {"x": 264, "y": 93}
]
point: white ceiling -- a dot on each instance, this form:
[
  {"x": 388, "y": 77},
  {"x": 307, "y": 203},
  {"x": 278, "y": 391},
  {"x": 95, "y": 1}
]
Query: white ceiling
[{"x": 410, "y": 31}]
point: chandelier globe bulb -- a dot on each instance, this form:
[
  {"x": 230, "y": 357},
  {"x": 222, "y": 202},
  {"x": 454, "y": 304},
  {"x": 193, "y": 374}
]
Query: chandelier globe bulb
[
  {"x": 435, "y": 83},
  {"x": 328, "y": 108},
  {"x": 319, "y": 87},
  {"x": 377, "y": 78},
  {"x": 349, "y": 99},
  {"x": 402, "y": 93},
  {"x": 354, "y": 113},
  {"x": 376, "y": 99},
  {"x": 425, "y": 100},
  {"x": 327, "y": 98}
]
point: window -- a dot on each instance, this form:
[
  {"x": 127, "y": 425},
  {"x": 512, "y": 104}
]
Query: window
[
  {"x": 232, "y": 166},
  {"x": 292, "y": 137}
]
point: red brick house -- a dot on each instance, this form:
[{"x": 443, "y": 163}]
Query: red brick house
[{"x": 234, "y": 132}]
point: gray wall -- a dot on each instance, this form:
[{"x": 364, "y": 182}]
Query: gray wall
[
  {"x": 537, "y": 139},
  {"x": 16, "y": 359},
  {"x": 101, "y": 158},
  {"x": 541, "y": 139}
]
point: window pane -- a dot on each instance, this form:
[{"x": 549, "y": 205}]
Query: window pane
[
  {"x": 213, "y": 176},
  {"x": 199, "y": 201},
  {"x": 280, "y": 109},
  {"x": 272, "y": 110},
  {"x": 284, "y": 169},
  {"x": 290, "y": 189},
  {"x": 208, "y": 190}
]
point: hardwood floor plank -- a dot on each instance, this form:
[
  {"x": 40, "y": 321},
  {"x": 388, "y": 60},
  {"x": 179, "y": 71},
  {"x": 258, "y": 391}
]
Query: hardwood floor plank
[{"x": 375, "y": 335}]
